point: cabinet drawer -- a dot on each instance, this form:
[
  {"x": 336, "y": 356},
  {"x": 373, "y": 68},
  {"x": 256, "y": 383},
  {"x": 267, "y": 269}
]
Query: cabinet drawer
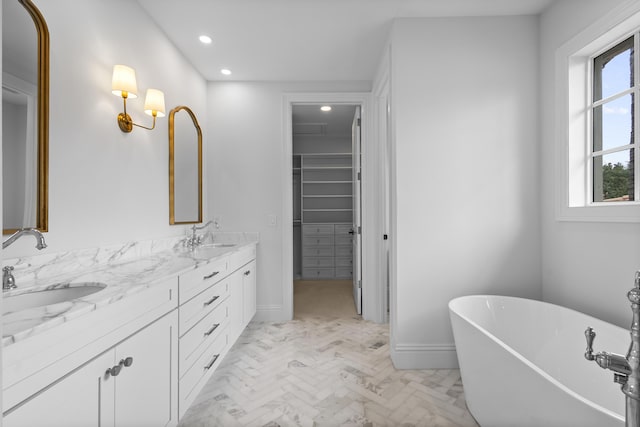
[
  {"x": 317, "y": 273},
  {"x": 196, "y": 376},
  {"x": 314, "y": 229},
  {"x": 317, "y": 262},
  {"x": 343, "y": 240},
  {"x": 344, "y": 272},
  {"x": 318, "y": 241},
  {"x": 317, "y": 251},
  {"x": 344, "y": 251},
  {"x": 344, "y": 262},
  {"x": 343, "y": 229},
  {"x": 202, "y": 304},
  {"x": 193, "y": 282},
  {"x": 202, "y": 335}
]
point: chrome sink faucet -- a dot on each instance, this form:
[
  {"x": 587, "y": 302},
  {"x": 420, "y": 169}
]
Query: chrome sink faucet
[
  {"x": 626, "y": 369},
  {"x": 41, "y": 244},
  {"x": 8, "y": 281},
  {"x": 194, "y": 240}
]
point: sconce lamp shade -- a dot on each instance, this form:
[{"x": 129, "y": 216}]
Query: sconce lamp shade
[
  {"x": 123, "y": 82},
  {"x": 154, "y": 103}
]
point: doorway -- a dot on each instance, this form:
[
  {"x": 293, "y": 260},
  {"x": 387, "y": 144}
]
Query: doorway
[
  {"x": 372, "y": 293},
  {"x": 326, "y": 209}
]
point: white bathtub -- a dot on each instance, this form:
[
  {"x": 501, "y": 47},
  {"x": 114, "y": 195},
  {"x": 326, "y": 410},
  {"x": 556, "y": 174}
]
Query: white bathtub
[{"x": 522, "y": 363}]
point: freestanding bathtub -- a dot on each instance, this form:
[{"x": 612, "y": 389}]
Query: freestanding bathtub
[{"x": 522, "y": 363}]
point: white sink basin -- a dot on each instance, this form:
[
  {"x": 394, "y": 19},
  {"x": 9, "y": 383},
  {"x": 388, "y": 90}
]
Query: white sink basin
[{"x": 13, "y": 303}]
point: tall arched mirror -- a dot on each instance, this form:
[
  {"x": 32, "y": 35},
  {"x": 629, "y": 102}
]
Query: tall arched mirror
[
  {"x": 25, "y": 116},
  {"x": 185, "y": 167}
]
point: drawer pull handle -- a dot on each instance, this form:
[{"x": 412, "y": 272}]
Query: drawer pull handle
[
  {"x": 210, "y": 331},
  {"x": 210, "y": 364},
  {"x": 211, "y": 300},
  {"x": 248, "y": 272},
  {"x": 211, "y": 275}
]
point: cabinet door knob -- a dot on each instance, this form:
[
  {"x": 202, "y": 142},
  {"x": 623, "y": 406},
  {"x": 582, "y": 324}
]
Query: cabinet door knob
[
  {"x": 248, "y": 272},
  {"x": 114, "y": 371},
  {"x": 127, "y": 362},
  {"x": 211, "y": 300},
  {"x": 210, "y": 275}
]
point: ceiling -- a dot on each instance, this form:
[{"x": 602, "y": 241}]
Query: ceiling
[
  {"x": 310, "y": 120},
  {"x": 302, "y": 40}
]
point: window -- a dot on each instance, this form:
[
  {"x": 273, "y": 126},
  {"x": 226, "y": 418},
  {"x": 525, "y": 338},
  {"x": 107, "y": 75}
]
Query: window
[
  {"x": 597, "y": 155},
  {"x": 612, "y": 154}
]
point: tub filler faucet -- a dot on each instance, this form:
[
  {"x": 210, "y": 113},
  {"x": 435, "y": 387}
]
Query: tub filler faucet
[{"x": 626, "y": 369}]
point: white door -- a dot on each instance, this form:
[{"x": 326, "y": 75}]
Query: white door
[{"x": 357, "y": 216}]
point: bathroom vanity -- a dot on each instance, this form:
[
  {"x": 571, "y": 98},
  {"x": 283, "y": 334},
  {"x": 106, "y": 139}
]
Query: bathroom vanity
[{"x": 135, "y": 351}]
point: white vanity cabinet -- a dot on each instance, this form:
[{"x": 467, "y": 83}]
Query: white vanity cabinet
[
  {"x": 131, "y": 384},
  {"x": 217, "y": 300}
]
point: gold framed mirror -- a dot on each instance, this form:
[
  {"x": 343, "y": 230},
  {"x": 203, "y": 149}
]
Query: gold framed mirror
[
  {"x": 25, "y": 99},
  {"x": 185, "y": 167}
]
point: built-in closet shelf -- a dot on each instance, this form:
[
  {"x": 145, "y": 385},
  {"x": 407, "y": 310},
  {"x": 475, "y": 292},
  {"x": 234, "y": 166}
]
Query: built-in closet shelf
[{"x": 326, "y": 184}]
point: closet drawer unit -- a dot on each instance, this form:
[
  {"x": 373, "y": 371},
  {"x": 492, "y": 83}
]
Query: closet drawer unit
[
  {"x": 194, "y": 379},
  {"x": 202, "y": 304},
  {"x": 202, "y": 335},
  {"x": 343, "y": 229},
  {"x": 194, "y": 282},
  {"x": 317, "y": 251},
  {"x": 315, "y": 229},
  {"x": 317, "y": 262},
  {"x": 317, "y": 273},
  {"x": 344, "y": 251},
  {"x": 344, "y": 272},
  {"x": 344, "y": 262},
  {"x": 318, "y": 241},
  {"x": 344, "y": 240}
]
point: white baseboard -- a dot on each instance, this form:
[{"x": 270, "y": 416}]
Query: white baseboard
[
  {"x": 424, "y": 356},
  {"x": 270, "y": 313}
]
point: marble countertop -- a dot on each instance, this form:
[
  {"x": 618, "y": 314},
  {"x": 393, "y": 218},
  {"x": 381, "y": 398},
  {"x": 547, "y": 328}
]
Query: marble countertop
[{"x": 123, "y": 270}]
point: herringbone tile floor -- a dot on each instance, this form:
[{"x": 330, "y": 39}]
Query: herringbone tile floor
[{"x": 324, "y": 372}]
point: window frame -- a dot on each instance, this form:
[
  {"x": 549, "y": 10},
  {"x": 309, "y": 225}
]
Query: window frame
[
  {"x": 593, "y": 104},
  {"x": 573, "y": 115}
]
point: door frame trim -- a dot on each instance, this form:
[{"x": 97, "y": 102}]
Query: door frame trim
[{"x": 372, "y": 289}]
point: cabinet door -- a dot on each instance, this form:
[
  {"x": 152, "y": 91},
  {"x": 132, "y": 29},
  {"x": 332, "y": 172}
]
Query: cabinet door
[
  {"x": 236, "y": 305},
  {"x": 83, "y": 398},
  {"x": 146, "y": 390},
  {"x": 249, "y": 292}
]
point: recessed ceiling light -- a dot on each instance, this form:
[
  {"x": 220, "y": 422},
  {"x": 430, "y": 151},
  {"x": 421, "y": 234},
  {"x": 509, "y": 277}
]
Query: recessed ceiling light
[
  {"x": 205, "y": 39},
  {"x": 226, "y": 71},
  {"x": 325, "y": 108}
]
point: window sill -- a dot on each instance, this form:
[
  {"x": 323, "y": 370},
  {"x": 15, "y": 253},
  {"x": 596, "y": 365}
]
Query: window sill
[{"x": 627, "y": 213}]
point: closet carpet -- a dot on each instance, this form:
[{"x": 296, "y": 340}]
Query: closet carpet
[{"x": 323, "y": 298}]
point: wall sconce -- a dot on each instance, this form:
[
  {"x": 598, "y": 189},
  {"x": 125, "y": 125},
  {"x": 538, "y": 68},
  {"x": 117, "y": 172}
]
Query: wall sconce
[{"x": 124, "y": 84}]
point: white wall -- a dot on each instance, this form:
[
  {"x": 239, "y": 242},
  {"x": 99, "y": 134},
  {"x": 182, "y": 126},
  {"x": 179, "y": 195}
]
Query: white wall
[
  {"x": 464, "y": 110},
  {"x": 587, "y": 266},
  {"x": 246, "y": 152},
  {"x": 108, "y": 187}
]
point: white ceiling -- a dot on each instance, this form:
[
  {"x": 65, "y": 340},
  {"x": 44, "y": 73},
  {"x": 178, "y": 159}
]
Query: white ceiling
[{"x": 302, "y": 40}]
